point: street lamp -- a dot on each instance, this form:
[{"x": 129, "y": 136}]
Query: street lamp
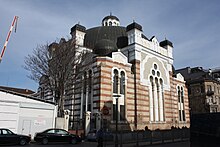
[{"x": 117, "y": 96}]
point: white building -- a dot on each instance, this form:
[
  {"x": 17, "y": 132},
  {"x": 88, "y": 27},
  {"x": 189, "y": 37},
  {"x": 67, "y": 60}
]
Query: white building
[{"x": 24, "y": 114}]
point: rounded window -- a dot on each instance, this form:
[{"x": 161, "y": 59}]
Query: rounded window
[
  {"x": 153, "y": 72},
  {"x": 158, "y": 73},
  {"x": 155, "y": 66}
]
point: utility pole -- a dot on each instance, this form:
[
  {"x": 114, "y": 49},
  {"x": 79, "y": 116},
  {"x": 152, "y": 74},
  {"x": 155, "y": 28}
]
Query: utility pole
[{"x": 14, "y": 22}]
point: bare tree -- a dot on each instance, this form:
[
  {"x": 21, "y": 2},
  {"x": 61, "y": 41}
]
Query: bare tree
[{"x": 57, "y": 62}]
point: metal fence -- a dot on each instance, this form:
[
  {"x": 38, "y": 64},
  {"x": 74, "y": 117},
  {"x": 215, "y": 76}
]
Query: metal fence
[{"x": 140, "y": 138}]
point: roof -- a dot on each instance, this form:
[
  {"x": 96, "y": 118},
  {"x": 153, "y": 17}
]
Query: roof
[
  {"x": 110, "y": 17},
  {"x": 18, "y": 90},
  {"x": 134, "y": 25},
  {"x": 165, "y": 43},
  {"x": 195, "y": 74},
  {"x": 23, "y": 95},
  {"x": 78, "y": 27},
  {"x": 116, "y": 34},
  {"x": 105, "y": 47}
]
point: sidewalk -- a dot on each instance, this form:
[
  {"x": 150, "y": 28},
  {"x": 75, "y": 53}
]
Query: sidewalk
[{"x": 171, "y": 144}]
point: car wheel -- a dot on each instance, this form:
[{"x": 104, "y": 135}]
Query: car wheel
[
  {"x": 44, "y": 141},
  {"x": 73, "y": 141},
  {"x": 22, "y": 141}
]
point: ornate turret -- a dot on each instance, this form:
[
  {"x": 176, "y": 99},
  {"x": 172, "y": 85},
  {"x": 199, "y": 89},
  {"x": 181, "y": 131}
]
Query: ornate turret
[{"x": 110, "y": 21}]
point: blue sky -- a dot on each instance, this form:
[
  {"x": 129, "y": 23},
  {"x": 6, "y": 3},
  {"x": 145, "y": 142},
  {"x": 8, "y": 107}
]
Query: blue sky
[{"x": 192, "y": 26}]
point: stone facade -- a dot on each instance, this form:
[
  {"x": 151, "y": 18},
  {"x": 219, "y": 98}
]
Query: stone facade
[
  {"x": 126, "y": 77},
  {"x": 140, "y": 77}
]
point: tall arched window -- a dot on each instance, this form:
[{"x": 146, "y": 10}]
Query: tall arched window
[
  {"x": 122, "y": 83},
  {"x": 119, "y": 88},
  {"x": 181, "y": 103},
  {"x": 115, "y": 82},
  {"x": 156, "y": 95}
]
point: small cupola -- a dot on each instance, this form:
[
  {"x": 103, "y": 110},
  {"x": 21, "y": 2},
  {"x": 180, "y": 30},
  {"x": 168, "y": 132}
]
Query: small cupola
[
  {"x": 166, "y": 43},
  {"x": 134, "y": 25},
  {"x": 110, "y": 21},
  {"x": 78, "y": 27}
]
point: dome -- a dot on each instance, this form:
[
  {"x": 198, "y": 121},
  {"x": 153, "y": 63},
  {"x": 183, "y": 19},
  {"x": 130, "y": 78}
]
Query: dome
[
  {"x": 104, "y": 47},
  {"x": 110, "y": 21},
  {"x": 110, "y": 17},
  {"x": 116, "y": 34}
]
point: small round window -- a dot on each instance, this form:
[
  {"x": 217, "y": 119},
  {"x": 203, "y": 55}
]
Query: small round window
[
  {"x": 155, "y": 66},
  {"x": 158, "y": 73},
  {"x": 153, "y": 72}
]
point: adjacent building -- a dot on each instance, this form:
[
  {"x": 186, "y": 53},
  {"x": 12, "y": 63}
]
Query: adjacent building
[
  {"x": 203, "y": 89},
  {"x": 24, "y": 114}
]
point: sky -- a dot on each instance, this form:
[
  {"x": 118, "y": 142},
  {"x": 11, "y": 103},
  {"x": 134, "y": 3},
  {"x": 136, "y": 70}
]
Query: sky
[{"x": 192, "y": 27}]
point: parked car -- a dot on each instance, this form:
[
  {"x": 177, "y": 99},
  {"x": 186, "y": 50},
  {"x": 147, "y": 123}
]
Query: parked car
[
  {"x": 7, "y": 137},
  {"x": 56, "y": 135},
  {"x": 107, "y": 136}
]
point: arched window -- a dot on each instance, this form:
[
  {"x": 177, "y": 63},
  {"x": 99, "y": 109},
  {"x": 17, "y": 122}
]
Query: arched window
[
  {"x": 156, "y": 95},
  {"x": 181, "y": 103},
  {"x": 119, "y": 95},
  {"x": 122, "y": 83},
  {"x": 110, "y": 23},
  {"x": 115, "y": 82}
]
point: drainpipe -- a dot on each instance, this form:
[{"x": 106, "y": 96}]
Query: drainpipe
[{"x": 135, "y": 96}]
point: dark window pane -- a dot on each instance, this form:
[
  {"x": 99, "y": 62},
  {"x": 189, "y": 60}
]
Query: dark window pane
[
  {"x": 180, "y": 118},
  {"x": 178, "y": 95},
  {"x": 115, "y": 84},
  {"x": 122, "y": 112},
  {"x": 183, "y": 112},
  {"x": 89, "y": 107},
  {"x": 122, "y": 83},
  {"x": 114, "y": 112},
  {"x": 182, "y": 100}
]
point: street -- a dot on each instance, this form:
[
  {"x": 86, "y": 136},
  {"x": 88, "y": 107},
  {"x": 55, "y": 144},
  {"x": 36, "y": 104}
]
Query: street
[{"x": 94, "y": 144}]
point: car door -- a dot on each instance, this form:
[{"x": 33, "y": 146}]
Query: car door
[
  {"x": 63, "y": 136},
  {"x": 8, "y": 137},
  {"x": 51, "y": 135}
]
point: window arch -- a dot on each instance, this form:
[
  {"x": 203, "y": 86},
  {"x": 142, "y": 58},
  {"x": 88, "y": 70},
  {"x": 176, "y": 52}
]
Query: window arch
[
  {"x": 180, "y": 93},
  {"x": 115, "y": 81},
  {"x": 119, "y": 87},
  {"x": 122, "y": 83},
  {"x": 156, "y": 95},
  {"x": 110, "y": 23},
  {"x": 86, "y": 92}
]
